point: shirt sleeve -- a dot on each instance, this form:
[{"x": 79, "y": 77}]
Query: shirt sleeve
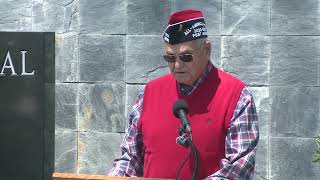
[
  {"x": 131, "y": 161},
  {"x": 241, "y": 142}
]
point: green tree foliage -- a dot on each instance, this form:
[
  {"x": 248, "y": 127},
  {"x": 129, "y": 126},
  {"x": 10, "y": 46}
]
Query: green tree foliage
[{"x": 317, "y": 154}]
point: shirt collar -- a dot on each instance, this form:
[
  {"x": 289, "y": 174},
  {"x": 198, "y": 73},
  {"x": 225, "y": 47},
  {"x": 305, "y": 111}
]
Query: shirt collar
[{"x": 187, "y": 90}]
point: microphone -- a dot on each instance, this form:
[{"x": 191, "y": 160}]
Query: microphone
[{"x": 180, "y": 110}]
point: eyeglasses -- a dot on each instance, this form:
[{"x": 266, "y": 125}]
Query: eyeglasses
[{"x": 182, "y": 57}]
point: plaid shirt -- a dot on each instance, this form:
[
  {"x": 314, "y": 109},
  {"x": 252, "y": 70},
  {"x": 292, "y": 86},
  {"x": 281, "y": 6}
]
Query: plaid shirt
[{"x": 240, "y": 145}]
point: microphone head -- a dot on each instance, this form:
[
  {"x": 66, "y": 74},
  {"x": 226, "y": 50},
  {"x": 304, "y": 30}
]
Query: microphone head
[{"x": 180, "y": 105}]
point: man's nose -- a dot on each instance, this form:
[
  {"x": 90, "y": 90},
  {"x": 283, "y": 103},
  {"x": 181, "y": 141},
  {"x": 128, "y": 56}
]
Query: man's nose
[{"x": 178, "y": 64}]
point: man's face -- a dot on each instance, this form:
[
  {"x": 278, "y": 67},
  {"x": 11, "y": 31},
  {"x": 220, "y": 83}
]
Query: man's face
[{"x": 188, "y": 72}]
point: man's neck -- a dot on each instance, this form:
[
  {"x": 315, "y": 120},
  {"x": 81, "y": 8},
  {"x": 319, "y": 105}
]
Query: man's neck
[{"x": 188, "y": 89}]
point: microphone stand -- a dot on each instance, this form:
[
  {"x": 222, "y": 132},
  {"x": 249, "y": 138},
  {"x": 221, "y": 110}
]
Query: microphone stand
[{"x": 185, "y": 141}]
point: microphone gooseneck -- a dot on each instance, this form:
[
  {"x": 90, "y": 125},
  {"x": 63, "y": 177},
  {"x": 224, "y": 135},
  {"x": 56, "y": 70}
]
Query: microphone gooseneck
[{"x": 180, "y": 110}]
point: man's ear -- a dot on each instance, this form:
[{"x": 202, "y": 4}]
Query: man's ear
[{"x": 207, "y": 48}]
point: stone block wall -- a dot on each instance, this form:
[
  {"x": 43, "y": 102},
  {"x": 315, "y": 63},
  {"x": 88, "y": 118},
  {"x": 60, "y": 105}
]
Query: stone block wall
[{"x": 106, "y": 50}]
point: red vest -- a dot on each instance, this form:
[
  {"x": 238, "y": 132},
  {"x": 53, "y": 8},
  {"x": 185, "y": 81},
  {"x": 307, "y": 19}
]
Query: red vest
[{"x": 211, "y": 107}]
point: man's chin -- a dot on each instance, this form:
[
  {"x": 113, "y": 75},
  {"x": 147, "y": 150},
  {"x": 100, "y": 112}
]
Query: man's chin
[{"x": 183, "y": 82}]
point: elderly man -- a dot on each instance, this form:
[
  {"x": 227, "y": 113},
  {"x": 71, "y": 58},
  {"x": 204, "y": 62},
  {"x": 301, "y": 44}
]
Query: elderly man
[{"x": 222, "y": 114}]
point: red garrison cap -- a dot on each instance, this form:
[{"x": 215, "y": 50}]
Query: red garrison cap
[
  {"x": 184, "y": 16},
  {"x": 186, "y": 25}
]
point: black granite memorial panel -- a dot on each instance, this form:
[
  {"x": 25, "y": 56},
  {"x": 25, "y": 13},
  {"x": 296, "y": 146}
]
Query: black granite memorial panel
[{"x": 26, "y": 105}]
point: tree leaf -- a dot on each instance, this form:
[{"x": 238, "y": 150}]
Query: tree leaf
[{"x": 317, "y": 153}]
